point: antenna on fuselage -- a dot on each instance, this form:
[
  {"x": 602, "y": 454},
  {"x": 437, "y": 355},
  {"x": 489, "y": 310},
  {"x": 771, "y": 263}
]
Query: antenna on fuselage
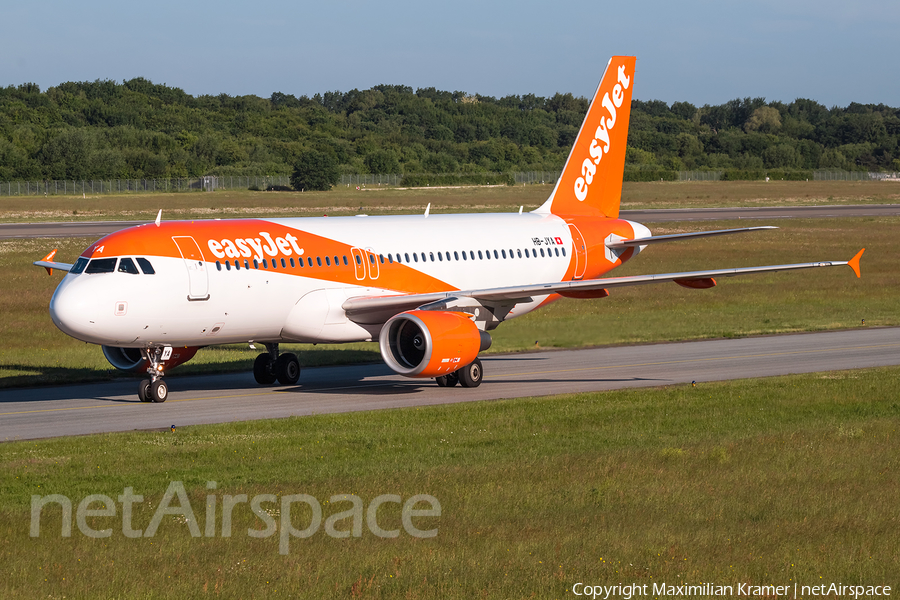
[
  {"x": 158, "y": 217},
  {"x": 427, "y": 210}
]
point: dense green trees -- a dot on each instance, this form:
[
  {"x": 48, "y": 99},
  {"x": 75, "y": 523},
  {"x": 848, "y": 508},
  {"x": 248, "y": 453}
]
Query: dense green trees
[{"x": 137, "y": 129}]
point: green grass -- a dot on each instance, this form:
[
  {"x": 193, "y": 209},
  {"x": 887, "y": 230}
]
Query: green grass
[
  {"x": 35, "y": 352},
  {"x": 347, "y": 200},
  {"x": 764, "y": 481}
]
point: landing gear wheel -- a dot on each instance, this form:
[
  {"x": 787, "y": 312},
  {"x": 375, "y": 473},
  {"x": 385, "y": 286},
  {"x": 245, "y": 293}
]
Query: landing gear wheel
[
  {"x": 471, "y": 375},
  {"x": 144, "y": 391},
  {"x": 449, "y": 380},
  {"x": 263, "y": 370},
  {"x": 287, "y": 369},
  {"x": 159, "y": 391}
]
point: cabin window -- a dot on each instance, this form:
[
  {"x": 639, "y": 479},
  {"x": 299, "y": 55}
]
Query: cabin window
[
  {"x": 336, "y": 261},
  {"x": 381, "y": 258},
  {"x": 126, "y": 265},
  {"x": 415, "y": 257},
  {"x": 227, "y": 266},
  {"x": 432, "y": 256},
  {"x": 266, "y": 263},
  {"x": 101, "y": 265},
  {"x": 390, "y": 259},
  {"x": 503, "y": 252},
  {"x": 327, "y": 262},
  {"x": 519, "y": 251},
  {"x": 246, "y": 264},
  {"x": 345, "y": 260},
  {"x": 358, "y": 259},
  {"x": 406, "y": 257},
  {"x": 372, "y": 259},
  {"x": 293, "y": 266},
  {"x": 456, "y": 255},
  {"x": 218, "y": 266},
  {"x": 542, "y": 252},
  {"x": 480, "y": 257},
  {"x": 283, "y": 264},
  {"x": 309, "y": 261},
  {"x": 440, "y": 257},
  {"x": 255, "y": 264},
  {"x": 496, "y": 255},
  {"x": 564, "y": 251}
]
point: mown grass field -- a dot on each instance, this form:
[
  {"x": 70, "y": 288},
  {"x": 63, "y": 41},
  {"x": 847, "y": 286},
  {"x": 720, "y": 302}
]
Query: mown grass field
[
  {"x": 772, "y": 481},
  {"x": 348, "y": 200},
  {"x": 36, "y": 352}
]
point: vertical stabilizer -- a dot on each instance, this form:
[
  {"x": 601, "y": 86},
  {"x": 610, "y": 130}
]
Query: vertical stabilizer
[{"x": 591, "y": 181}]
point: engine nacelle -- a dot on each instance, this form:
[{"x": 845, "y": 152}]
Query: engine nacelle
[
  {"x": 429, "y": 343},
  {"x": 130, "y": 359}
]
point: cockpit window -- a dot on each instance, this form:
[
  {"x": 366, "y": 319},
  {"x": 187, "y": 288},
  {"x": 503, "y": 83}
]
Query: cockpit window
[
  {"x": 126, "y": 265},
  {"x": 79, "y": 266},
  {"x": 146, "y": 267},
  {"x": 101, "y": 265}
]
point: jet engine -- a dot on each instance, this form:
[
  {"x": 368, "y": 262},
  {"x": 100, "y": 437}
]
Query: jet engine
[
  {"x": 426, "y": 343},
  {"x": 130, "y": 359}
]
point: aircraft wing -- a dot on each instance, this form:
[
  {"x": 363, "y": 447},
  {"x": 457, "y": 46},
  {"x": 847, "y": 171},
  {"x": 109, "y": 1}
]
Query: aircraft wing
[
  {"x": 694, "y": 279},
  {"x": 48, "y": 263}
]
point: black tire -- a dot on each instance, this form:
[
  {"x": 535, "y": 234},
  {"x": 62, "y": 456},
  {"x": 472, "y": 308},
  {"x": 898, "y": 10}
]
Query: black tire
[
  {"x": 159, "y": 391},
  {"x": 471, "y": 375},
  {"x": 263, "y": 370},
  {"x": 287, "y": 369},
  {"x": 448, "y": 380},
  {"x": 144, "y": 391}
]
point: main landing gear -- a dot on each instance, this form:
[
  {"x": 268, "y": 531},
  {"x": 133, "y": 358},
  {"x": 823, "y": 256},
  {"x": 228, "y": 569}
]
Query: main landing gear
[
  {"x": 155, "y": 389},
  {"x": 269, "y": 367},
  {"x": 469, "y": 376}
]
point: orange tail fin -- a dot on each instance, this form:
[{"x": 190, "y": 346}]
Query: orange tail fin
[{"x": 591, "y": 181}]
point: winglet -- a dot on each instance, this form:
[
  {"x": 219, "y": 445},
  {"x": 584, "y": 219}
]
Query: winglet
[
  {"x": 49, "y": 258},
  {"x": 854, "y": 262}
]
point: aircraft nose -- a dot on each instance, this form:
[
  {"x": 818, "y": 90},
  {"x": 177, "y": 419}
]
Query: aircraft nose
[{"x": 73, "y": 311}]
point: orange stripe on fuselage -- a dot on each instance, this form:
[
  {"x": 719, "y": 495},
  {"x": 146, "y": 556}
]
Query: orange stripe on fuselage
[{"x": 249, "y": 239}]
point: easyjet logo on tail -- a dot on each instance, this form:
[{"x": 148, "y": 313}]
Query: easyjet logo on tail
[{"x": 610, "y": 102}]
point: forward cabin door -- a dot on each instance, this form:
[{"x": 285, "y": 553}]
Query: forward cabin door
[{"x": 196, "y": 267}]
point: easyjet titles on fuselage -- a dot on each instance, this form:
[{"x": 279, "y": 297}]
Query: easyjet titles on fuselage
[{"x": 265, "y": 245}]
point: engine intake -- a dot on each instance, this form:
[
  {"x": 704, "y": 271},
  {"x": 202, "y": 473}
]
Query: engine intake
[
  {"x": 130, "y": 359},
  {"x": 426, "y": 343}
]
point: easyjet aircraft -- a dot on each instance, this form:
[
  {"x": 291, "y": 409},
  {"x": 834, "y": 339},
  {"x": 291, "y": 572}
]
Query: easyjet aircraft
[{"x": 428, "y": 288}]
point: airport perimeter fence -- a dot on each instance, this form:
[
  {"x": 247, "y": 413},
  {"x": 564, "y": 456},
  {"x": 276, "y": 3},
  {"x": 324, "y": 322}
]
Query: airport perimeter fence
[
  {"x": 69, "y": 187},
  {"x": 282, "y": 182}
]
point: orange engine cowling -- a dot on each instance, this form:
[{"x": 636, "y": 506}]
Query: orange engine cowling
[
  {"x": 426, "y": 343},
  {"x": 130, "y": 359}
]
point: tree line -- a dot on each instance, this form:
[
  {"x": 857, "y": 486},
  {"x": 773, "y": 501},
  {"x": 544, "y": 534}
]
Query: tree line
[{"x": 139, "y": 129}]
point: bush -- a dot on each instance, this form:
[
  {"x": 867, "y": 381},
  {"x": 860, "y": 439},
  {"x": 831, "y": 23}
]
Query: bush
[{"x": 315, "y": 171}]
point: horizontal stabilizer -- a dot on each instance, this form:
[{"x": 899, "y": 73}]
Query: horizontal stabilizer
[{"x": 674, "y": 237}]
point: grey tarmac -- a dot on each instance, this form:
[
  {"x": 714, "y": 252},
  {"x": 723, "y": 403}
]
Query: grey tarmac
[
  {"x": 96, "y": 229},
  {"x": 113, "y": 406}
]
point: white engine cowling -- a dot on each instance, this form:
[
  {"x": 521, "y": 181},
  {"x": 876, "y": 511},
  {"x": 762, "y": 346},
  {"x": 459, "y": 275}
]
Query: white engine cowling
[
  {"x": 426, "y": 343},
  {"x": 130, "y": 359}
]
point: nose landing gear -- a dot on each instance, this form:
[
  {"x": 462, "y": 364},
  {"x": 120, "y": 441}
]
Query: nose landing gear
[
  {"x": 154, "y": 389},
  {"x": 270, "y": 366}
]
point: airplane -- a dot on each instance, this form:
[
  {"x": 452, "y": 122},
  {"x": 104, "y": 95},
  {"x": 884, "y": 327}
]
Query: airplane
[{"x": 428, "y": 288}]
